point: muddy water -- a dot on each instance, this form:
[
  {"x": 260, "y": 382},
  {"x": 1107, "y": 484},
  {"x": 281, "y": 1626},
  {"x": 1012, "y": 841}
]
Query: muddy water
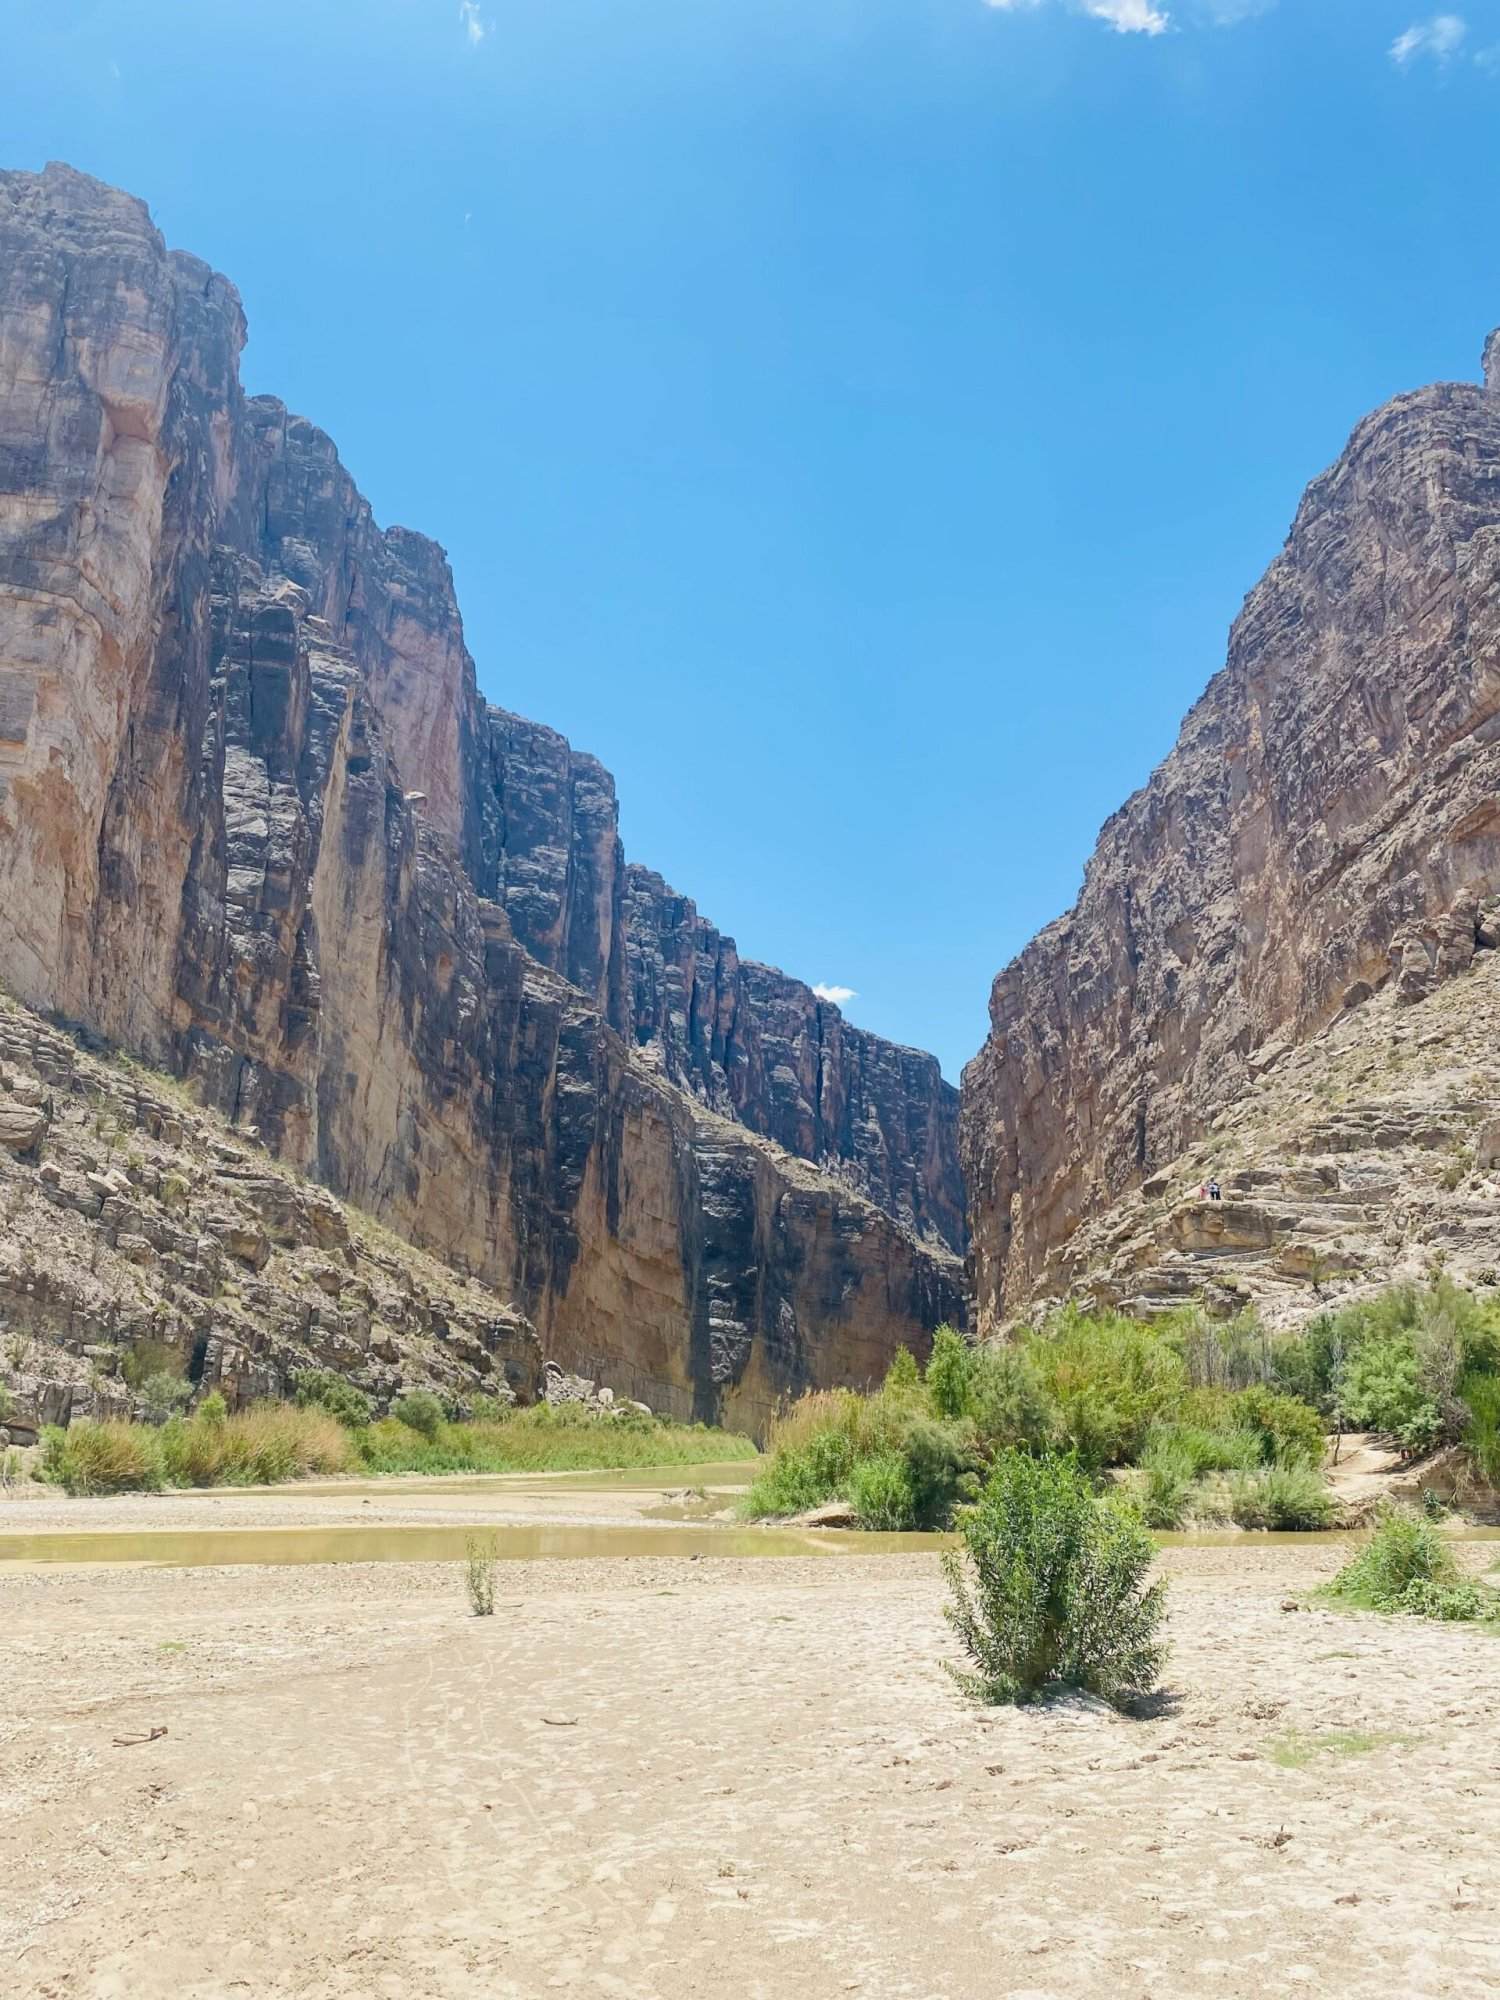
[{"x": 398, "y": 1542}]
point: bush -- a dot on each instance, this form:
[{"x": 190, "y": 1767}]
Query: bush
[
  {"x": 102, "y": 1458},
  {"x": 1406, "y": 1566},
  {"x": 1008, "y": 1402},
  {"x": 150, "y": 1357},
  {"x": 480, "y": 1554},
  {"x": 421, "y": 1412},
  {"x": 903, "y": 1373},
  {"x": 164, "y": 1395},
  {"x": 880, "y": 1491},
  {"x": 323, "y": 1389},
  {"x": 1481, "y": 1397},
  {"x": 1287, "y": 1497},
  {"x": 1290, "y": 1433},
  {"x": 948, "y": 1373},
  {"x": 1382, "y": 1390},
  {"x": 1050, "y": 1590},
  {"x": 1111, "y": 1378},
  {"x": 212, "y": 1410},
  {"x": 1167, "y": 1476}
]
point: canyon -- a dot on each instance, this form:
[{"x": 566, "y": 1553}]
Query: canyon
[{"x": 259, "y": 828}]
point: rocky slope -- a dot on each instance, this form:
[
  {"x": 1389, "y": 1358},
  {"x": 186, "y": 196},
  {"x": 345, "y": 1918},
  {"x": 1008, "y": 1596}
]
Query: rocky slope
[
  {"x": 257, "y": 825},
  {"x": 1319, "y": 851}
]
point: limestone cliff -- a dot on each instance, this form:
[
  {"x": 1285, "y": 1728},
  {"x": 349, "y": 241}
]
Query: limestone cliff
[
  {"x": 1327, "y": 827},
  {"x": 257, "y": 824}
]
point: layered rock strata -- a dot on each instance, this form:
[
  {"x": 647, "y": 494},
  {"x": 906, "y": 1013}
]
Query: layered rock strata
[
  {"x": 257, "y": 824},
  {"x": 1327, "y": 827}
]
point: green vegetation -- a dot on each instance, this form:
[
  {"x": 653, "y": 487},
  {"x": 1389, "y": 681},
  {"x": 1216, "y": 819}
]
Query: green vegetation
[
  {"x": 479, "y": 1574},
  {"x": 164, "y": 1394},
  {"x": 1406, "y": 1566},
  {"x": 420, "y": 1412},
  {"x": 1294, "y": 1750},
  {"x": 273, "y": 1442},
  {"x": 1108, "y": 1390},
  {"x": 562, "y": 1437},
  {"x": 1419, "y": 1365},
  {"x": 323, "y": 1389},
  {"x": 1050, "y": 1589}
]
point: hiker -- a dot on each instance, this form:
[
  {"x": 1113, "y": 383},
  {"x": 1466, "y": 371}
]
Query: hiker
[{"x": 1214, "y": 1191}]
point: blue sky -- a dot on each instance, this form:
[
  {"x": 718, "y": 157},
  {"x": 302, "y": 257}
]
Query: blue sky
[{"x": 856, "y": 421}]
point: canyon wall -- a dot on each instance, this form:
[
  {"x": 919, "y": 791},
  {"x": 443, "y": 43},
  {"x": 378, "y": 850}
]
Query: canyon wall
[
  {"x": 258, "y": 825},
  {"x": 1328, "y": 825}
]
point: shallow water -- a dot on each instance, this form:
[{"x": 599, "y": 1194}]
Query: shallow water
[{"x": 398, "y": 1542}]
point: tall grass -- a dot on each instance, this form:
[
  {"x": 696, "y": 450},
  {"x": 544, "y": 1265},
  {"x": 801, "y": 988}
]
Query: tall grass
[{"x": 274, "y": 1442}]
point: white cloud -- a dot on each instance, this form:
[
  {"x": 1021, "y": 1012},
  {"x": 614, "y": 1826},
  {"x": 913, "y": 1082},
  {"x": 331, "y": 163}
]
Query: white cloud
[
  {"x": 1126, "y": 17},
  {"x": 837, "y": 995},
  {"x": 1129, "y": 17},
  {"x": 474, "y": 24},
  {"x": 1439, "y": 39}
]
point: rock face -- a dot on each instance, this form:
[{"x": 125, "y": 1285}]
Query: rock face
[
  {"x": 257, "y": 824},
  {"x": 1327, "y": 826}
]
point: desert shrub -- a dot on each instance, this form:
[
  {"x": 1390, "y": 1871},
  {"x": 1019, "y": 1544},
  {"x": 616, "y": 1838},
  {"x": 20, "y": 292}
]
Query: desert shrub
[
  {"x": 102, "y": 1458},
  {"x": 324, "y": 1389},
  {"x": 420, "y": 1411},
  {"x": 1382, "y": 1390},
  {"x": 1111, "y": 1379},
  {"x": 1406, "y": 1566},
  {"x": 1008, "y": 1402},
  {"x": 11, "y": 1467},
  {"x": 816, "y": 1448},
  {"x": 1290, "y": 1432},
  {"x": 150, "y": 1357},
  {"x": 1050, "y": 1588},
  {"x": 1289, "y": 1497},
  {"x": 1226, "y": 1354},
  {"x": 903, "y": 1373},
  {"x": 163, "y": 1395},
  {"x": 948, "y": 1373},
  {"x": 880, "y": 1491},
  {"x": 1481, "y": 1435},
  {"x": 480, "y": 1552},
  {"x": 1168, "y": 1473},
  {"x": 7, "y": 1403},
  {"x": 212, "y": 1410}
]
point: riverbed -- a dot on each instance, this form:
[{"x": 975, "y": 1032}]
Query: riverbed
[{"x": 665, "y": 1775}]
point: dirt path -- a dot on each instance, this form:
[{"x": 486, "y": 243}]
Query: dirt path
[{"x": 657, "y": 1779}]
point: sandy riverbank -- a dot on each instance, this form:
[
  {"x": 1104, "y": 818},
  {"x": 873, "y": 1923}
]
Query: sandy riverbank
[{"x": 663, "y": 1779}]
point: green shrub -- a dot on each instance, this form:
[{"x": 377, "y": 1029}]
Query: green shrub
[
  {"x": 163, "y": 1395},
  {"x": 1290, "y": 1432},
  {"x": 212, "y": 1410},
  {"x": 1008, "y": 1402},
  {"x": 1382, "y": 1389},
  {"x": 102, "y": 1458},
  {"x": 323, "y": 1389},
  {"x": 948, "y": 1373},
  {"x": 880, "y": 1491},
  {"x": 903, "y": 1373},
  {"x": 1481, "y": 1398},
  {"x": 421, "y": 1412},
  {"x": 1406, "y": 1566},
  {"x": 150, "y": 1357},
  {"x": 1050, "y": 1590},
  {"x": 480, "y": 1555},
  {"x": 1289, "y": 1497},
  {"x": 1111, "y": 1378},
  {"x": 1169, "y": 1472}
]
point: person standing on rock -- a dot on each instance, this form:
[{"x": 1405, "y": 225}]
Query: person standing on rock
[{"x": 1215, "y": 1193}]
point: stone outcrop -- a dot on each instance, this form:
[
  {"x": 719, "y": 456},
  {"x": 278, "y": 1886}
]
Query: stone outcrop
[
  {"x": 1327, "y": 828},
  {"x": 257, "y": 824}
]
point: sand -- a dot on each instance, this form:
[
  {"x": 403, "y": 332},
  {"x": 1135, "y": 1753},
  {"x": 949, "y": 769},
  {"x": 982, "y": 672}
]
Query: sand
[{"x": 652, "y": 1779}]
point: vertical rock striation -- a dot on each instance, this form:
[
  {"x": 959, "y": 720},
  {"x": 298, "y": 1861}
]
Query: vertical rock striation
[
  {"x": 257, "y": 823},
  {"x": 1329, "y": 821}
]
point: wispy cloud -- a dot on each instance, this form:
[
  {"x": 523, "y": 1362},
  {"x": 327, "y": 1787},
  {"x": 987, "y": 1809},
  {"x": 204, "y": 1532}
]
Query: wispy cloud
[
  {"x": 475, "y": 26},
  {"x": 1126, "y": 17},
  {"x": 1438, "y": 40},
  {"x": 837, "y": 995}
]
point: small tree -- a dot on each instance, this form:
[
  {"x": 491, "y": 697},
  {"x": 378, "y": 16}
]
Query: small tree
[
  {"x": 1053, "y": 1591},
  {"x": 902, "y": 1373},
  {"x": 421, "y": 1412},
  {"x": 163, "y": 1395},
  {"x": 948, "y": 1373}
]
